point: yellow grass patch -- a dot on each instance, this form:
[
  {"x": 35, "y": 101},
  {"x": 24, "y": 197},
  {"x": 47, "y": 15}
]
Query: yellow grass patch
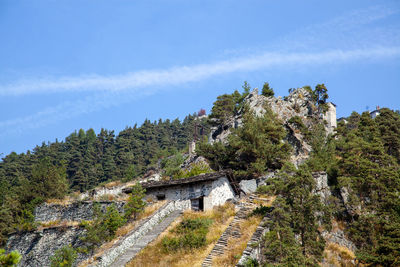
[
  {"x": 154, "y": 255},
  {"x": 264, "y": 200},
  {"x": 112, "y": 184},
  {"x": 236, "y": 246},
  {"x": 338, "y": 255},
  {"x": 57, "y": 223}
]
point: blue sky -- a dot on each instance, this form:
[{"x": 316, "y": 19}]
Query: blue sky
[{"x": 67, "y": 65}]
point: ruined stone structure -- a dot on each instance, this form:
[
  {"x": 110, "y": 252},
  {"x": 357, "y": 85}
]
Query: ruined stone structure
[{"x": 330, "y": 117}]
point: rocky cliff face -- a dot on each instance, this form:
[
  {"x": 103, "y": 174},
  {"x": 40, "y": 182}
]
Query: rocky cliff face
[
  {"x": 38, "y": 247},
  {"x": 298, "y": 103}
]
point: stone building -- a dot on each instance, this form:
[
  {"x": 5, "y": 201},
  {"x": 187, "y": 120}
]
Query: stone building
[{"x": 201, "y": 192}]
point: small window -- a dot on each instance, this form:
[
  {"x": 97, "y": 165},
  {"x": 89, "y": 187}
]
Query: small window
[{"x": 161, "y": 197}]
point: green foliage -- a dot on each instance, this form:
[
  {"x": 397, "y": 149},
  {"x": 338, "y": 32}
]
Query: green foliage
[
  {"x": 48, "y": 180},
  {"x": 252, "y": 148},
  {"x": 103, "y": 227},
  {"x": 320, "y": 93},
  {"x": 195, "y": 169},
  {"x": 322, "y": 157},
  {"x": 388, "y": 123},
  {"x": 64, "y": 257},
  {"x": 190, "y": 234},
  {"x": 267, "y": 91},
  {"x": 281, "y": 247},
  {"x": 9, "y": 260},
  {"x": 227, "y": 105},
  {"x": 81, "y": 162},
  {"x": 369, "y": 169},
  {"x": 297, "y": 211},
  {"x": 298, "y": 122},
  {"x": 172, "y": 165},
  {"x": 223, "y": 108},
  {"x": 262, "y": 210},
  {"x": 135, "y": 204},
  {"x": 250, "y": 262}
]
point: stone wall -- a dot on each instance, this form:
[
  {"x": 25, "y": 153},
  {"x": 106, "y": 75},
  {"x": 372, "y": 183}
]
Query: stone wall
[
  {"x": 77, "y": 211},
  {"x": 131, "y": 238},
  {"x": 36, "y": 248}
]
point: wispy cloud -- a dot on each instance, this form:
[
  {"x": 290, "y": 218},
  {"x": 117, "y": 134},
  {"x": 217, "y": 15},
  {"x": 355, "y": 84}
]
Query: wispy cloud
[
  {"x": 179, "y": 75},
  {"x": 124, "y": 88},
  {"x": 342, "y": 40}
]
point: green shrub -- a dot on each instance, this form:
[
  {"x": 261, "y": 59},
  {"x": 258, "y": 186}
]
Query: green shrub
[
  {"x": 135, "y": 203},
  {"x": 64, "y": 257},
  {"x": 103, "y": 227},
  {"x": 9, "y": 260},
  {"x": 267, "y": 91},
  {"x": 172, "y": 165},
  {"x": 197, "y": 169},
  {"x": 263, "y": 189},
  {"x": 250, "y": 262},
  {"x": 190, "y": 234},
  {"x": 262, "y": 210}
]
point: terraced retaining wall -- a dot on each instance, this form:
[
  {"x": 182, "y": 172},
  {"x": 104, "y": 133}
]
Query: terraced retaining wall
[{"x": 77, "y": 211}]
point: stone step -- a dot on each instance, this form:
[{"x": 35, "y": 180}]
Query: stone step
[{"x": 231, "y": 231}]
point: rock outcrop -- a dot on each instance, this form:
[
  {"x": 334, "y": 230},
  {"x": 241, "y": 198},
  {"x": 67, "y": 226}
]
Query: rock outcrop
[
  {"x": 36, "y": 248},
  {"x": 299, "y": 103}
]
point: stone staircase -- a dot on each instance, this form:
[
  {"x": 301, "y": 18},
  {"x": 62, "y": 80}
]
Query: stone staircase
[
  {"x": 131, "y": 252},
  {"x": 232, "y": 231},
  {"x": 253, "y": 248}
]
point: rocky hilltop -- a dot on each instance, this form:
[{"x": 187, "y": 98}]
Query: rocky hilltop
[{"x": 298, "y": 103}]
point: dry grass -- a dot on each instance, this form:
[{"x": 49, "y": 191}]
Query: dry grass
[
  {"x": 123, "y": 230},
  {"x": 338, "y": 255},
  {"x": 107, "y": 197},
  {"x": 112, "y": 184},
  {"x": 265, "y": 200},
  {"x": 236, "y": 246},
  {"x": 64, "y": 202},
  {"x": 154, "y": 255},
  {"x": 57, "y": 223}
]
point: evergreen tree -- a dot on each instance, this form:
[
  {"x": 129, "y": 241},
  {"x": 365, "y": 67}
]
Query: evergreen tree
[
  {"x": 135, "y": 204},
  {"x": 252, "y": 148},
  {"x": 267, "y": 91}
]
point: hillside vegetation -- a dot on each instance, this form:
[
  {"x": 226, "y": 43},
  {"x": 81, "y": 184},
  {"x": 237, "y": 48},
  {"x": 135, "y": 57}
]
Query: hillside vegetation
[
  {"x": 361, "y": 158},
  {"x": 81, "y": 162}
]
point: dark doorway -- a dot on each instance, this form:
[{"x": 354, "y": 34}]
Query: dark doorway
[
  {"x": 201, "y": 203},
  {"x": 197, "y": 204},
  {"x": 160, "y": 197}
]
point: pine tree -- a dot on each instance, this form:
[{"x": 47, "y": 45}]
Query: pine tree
[
  {"x": 267, "y": 90},
  {"x": 135, "y": 204}
]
